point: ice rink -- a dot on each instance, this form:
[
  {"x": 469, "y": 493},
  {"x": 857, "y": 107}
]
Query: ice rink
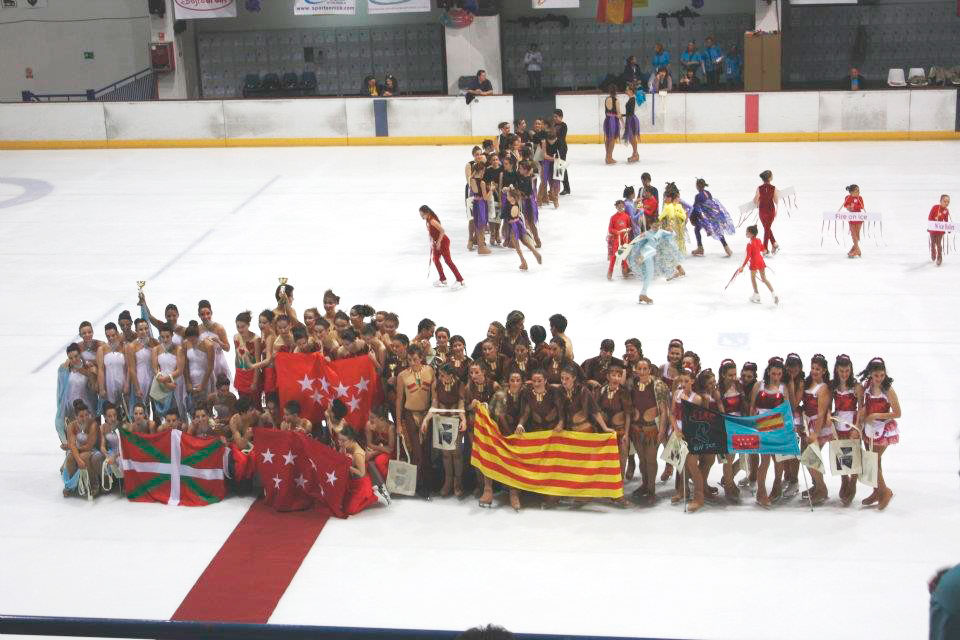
[{"x": 79, "y": 228}]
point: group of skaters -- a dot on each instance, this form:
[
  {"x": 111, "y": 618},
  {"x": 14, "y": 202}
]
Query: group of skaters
[
  {"x": 649, "y": 240},
  {"x": 508, "y": 180},
  {"x": 528, "y": 380}
]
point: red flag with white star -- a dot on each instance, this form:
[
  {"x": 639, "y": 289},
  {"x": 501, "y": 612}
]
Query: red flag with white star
[
  {"x": 358, "y": 387},
  {"x": 308, "y": 379},
  {"x": 298, "y": 472}
]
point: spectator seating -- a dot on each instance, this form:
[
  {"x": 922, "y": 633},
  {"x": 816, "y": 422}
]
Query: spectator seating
[
  {"x": 580, "y": 55},
  {"x": 896, "y": 78},
  {"x": 820, "y": 42},
  {"x": 324, "y": 61}
]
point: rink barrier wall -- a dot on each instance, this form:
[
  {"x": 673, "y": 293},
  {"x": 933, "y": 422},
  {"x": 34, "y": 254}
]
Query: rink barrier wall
[
  {"x": 925, "y": 114},
  {"x": 190, "y": 630}
]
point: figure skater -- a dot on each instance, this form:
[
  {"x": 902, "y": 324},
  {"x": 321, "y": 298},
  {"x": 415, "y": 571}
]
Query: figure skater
[
  {"x": 509, "y": 178},
  {"x": 847, "y": 400},
  {"x": 518, "y": 230},
  {"x": 611, "y": 122},
  {"x": 766, "y": 199},
  {"x": 757, "y": 265},
  {"x": 878, "y": 415},
  {"x": 618, "y": 234},
  {"x": 478, "y": 209},
  {"x": 528, "y": 199},
  {"x": 939, "y": 213},
  {"x": 674, "y": 216},
  {"x": 854, "y": 204},
  {"x": 550, "y": 156},
  {"x": 631, "y": 123},
  {"x": 630, "y": 205},
  {"x": 651, "y": 206},
  {"x": 711, "y": 216},
  {"x": 439, "y": 247},
  {"x": 651, "y": 254}
]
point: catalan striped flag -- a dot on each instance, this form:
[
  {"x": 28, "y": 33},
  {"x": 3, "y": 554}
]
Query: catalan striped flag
[
  {"x": 571, "y": 464},
  {"x": 615, "y": 11}
]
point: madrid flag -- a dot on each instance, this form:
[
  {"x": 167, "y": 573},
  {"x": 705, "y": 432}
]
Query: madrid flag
[
  {"x": 358, "y": 388},
  {"x": 308, "y": 379},
  {"x": 173, "y": 467},
  {"x": 298, "y": 472}
]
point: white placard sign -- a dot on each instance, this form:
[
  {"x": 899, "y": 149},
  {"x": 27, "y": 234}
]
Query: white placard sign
[
  {"x": 555, "y": 4},
  {"x": 397, "y": 6},
  {"x": 853, "y": 216},
  {"x": 194, "y": 9},
  {"x": 324, "y": 7},
  {"x": 945, "y": 227}
]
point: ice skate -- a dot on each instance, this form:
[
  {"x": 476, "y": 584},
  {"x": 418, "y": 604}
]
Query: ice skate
[
  {"x": 440, "y": 283},
  {"x": 728, "y": 250},
  {"x": 697, "y": 252},
  {"x": 885, "y": 496},
  {"x": 645, "y": 299},
  {"x": 871, "y": 499},
  {"x": 755, "y": 298}
]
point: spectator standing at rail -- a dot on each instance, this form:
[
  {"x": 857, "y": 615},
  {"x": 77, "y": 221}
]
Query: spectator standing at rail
[
  {"x": 661, "y": 58},
  {"x": 631, "y": 72},
  {"x": 712, "y": 59},
  {"x": 733, "y": 67},
  {"x": 691, "y": 59},
  {"x": 533, "y": 62}
]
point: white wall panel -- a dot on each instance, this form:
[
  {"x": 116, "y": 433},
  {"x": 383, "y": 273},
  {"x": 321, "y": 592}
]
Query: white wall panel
[
  {"x": 793, "y": 112},
  {"x": 933, "y": 110},
  {"x": 473, "y": 48},
  {"x": 164, "y": 120},
  {"x": 665, "y": 113},
  {"x": 360, "y": 122},
  {"x": 489, "y": 111},
  {"x": 52, "y": 121},
  {"x": 317, "y": 118},
  {"x": 582, "y": 113},
  {"x": 428, "y": 116},
  {"x": 714, "y": 112}
]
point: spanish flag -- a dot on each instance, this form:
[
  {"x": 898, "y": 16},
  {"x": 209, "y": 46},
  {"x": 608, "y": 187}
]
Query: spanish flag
[
  {"x": 615, "y": 11},
  {"x": 572, "y": 464},
  {"x": 770, "y": 422}
]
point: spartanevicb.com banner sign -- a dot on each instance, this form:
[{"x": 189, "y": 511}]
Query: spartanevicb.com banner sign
[
  {"x": 556, "y": 4},
  {"x": 193, "y": 9},
  {"x": 397, "y": 6},
  {"x": 325, "y": 7}
]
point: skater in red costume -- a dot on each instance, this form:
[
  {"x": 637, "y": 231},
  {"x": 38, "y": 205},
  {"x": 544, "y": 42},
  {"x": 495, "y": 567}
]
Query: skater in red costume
[
  {"x": 757, "y": 265},
  {"x": 854, "y": 204},
  {"x": 618, "y": 233},
  {"x": 939, "y": 213},
  {"x": 439, "y": 247},
  {"x": 766, "y": 200}
]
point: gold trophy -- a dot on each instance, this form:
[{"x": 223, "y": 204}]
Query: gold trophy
[{"x": 140, "y": 285}]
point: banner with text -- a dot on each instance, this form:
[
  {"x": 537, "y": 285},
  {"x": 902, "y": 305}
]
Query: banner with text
[
  {"x": 397, "y": 6},
  {"x": 324, "y": 7},
  {"x": 194, "y": 9}
]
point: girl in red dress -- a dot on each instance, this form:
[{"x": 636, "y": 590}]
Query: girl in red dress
[
  {"x": 757, "y": 265},
  {"x": 847, "y": 399},
  {"x": 878, "y": 415},
  {"x": 768, "y": 396},
  {"x": 439, "y": 247},
  {"x": 939, "y": 213},
  {"x": 816, "y": 412},
  {"x": 854, "y": 204},
  {"x": 618, "y": 233},
  {"x": 766, "y": 200}
]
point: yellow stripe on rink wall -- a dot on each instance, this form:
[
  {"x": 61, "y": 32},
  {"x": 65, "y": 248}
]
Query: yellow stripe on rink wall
[{"x": 651, "y": 138}]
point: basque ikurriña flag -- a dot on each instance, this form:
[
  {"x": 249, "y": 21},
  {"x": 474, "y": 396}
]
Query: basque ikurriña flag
[
  {"x": 771, "y": 433},
  {"x": 173, "y": 467},
  {"x": 580, "y": 465}
]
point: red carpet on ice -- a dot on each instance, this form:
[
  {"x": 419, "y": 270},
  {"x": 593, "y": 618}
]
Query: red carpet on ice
[{"x": 248, "y": 576}]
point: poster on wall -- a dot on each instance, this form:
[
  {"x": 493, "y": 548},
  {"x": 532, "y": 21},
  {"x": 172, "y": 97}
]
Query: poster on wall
[
  {"x": 397, "y": 6},
  {"x": 194, "y": 9},
  {"x": 325, "y": 7},
  {"x": 556, "y": 4}
]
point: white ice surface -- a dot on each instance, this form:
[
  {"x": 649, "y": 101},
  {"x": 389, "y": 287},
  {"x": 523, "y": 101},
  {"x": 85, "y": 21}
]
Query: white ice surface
[{"x": 223, "y": 224}]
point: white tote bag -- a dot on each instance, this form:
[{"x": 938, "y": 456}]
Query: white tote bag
[
  {"x": 446, "y": 430},
  {"x": 675, "y": 452},
  {"x": 559, "y": 168},
  {"x": 811, "y": 457},
  {"x": 871, "y": 467},
  {"x": 845, "y": 457},
  {"x": 402, "y": 476}
]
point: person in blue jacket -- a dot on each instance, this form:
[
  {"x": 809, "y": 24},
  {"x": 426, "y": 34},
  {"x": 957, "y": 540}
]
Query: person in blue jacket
[
  {"x": 733, "y": 67},
  {"x": 712, "y": 58},
  {"x": 691, "y": 59},
  {"x": 661, "y": 58}
]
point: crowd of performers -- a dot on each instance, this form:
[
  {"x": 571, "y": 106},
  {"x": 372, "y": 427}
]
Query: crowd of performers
[{"x": 181, "y": 379}]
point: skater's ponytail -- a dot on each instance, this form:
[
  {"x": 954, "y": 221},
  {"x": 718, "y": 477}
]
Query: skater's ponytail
[
  {"x": 701, "y": 184},
  {"x": 430, "y": 214},
  {"x": 851, "y": 188},
  {"x": 629, "y": 192},
  {"x": 767, "y": 175}
]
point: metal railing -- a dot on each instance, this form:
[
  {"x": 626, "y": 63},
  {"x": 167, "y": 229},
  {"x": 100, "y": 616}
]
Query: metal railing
[
  {"x": 138, "y": 86},
  {"x": 178, "y": 630}
]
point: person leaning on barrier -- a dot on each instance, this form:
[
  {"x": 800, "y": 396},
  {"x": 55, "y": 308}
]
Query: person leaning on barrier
[{"x": 479, "y": 86}]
